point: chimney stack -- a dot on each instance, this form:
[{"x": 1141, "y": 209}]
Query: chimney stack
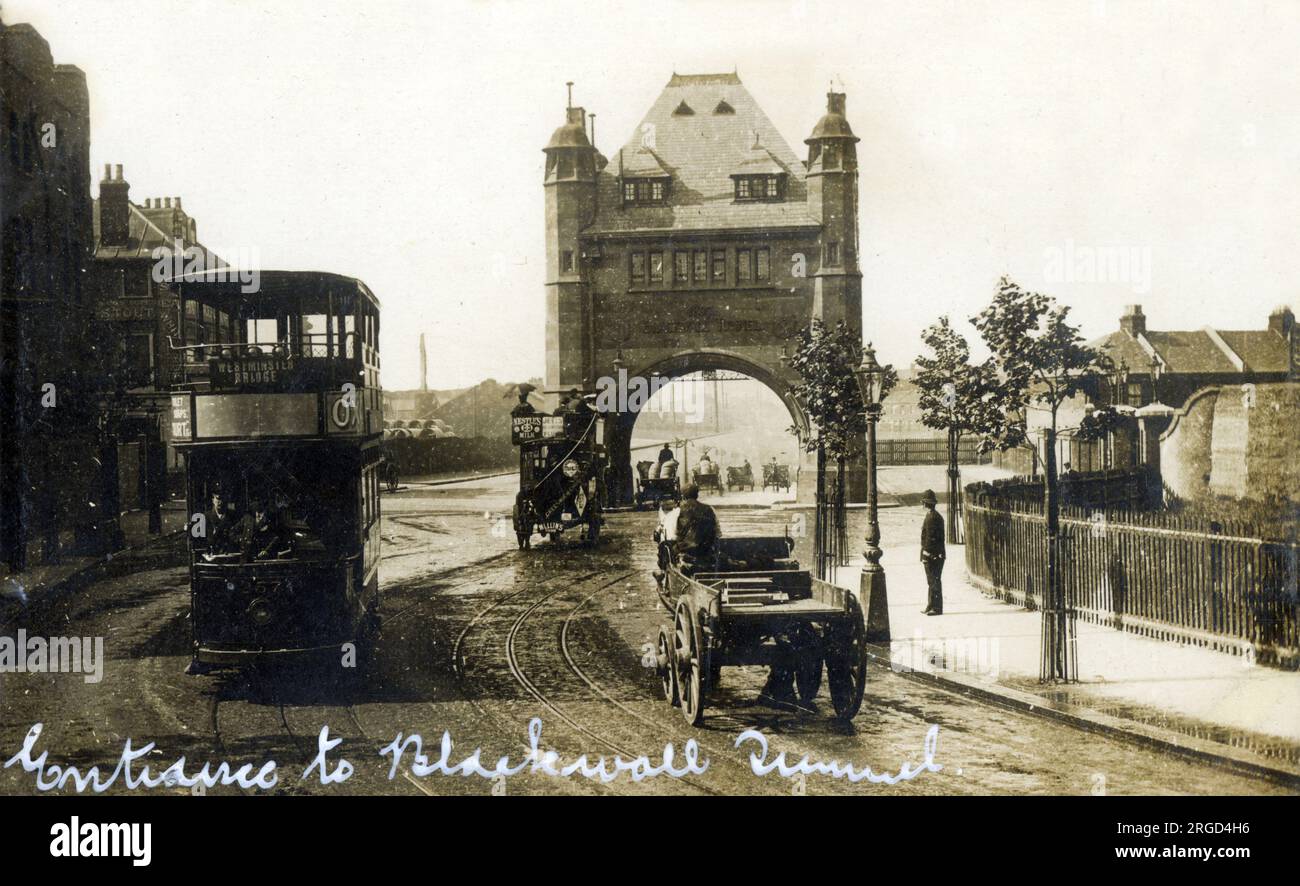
[
  {"x": 1281, "y": 321},
  {"x": 424, "y": 366},
  {"x": 114, "y": 209},
  {"x": 835, "y": 103},
  {"x": 1133, "y": 322}
]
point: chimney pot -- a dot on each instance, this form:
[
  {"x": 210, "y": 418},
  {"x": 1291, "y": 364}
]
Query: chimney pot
[
  {"x": 178, "y": 202},
  {"x": 1281, "y": 321},
  {"x": 108, "y": 172},
  {"x": 1133, "y": 321},
  {"x": 118, "y": 172},
  {"x": 835, "y": 103},
  {"x": 167, "y": 202}
]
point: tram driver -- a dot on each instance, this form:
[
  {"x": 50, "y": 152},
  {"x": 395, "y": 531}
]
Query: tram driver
[
  {"x": 221, "y": 524},
  {"x": 264, "y": 534}
]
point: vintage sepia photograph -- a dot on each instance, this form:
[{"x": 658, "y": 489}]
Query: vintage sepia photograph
[{"x": 489, "y": 398}]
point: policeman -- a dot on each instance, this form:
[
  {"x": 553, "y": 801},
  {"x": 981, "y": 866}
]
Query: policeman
[{"x": 933, "y": 552}]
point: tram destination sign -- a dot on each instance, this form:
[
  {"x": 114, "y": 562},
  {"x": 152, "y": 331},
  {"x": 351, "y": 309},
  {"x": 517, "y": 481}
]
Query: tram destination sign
[{"x": 245, "y": 372}]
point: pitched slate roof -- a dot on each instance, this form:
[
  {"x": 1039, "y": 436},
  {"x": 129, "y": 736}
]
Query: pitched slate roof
[
  {"x": 143, "y": 236},
  {"x": 702, "y": 151},
  {"x": 1195, "y": 352}
]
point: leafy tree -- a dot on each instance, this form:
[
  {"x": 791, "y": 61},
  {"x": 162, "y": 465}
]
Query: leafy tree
[
  {"x": 957, "y": 396},
  {"x": 825, "y": 359},
  {"x": 1042, "y": 362}
]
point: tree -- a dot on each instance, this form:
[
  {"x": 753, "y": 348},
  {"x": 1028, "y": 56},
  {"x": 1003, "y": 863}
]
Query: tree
[
  {"x": 1042, "y": 362},
  {"x": 957, "y": 396},
  {"x": 825, "y": 360}
]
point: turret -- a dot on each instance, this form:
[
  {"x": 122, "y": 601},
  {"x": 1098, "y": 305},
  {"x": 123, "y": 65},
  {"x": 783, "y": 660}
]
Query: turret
[
  {"x": 572, "y": 164},
  {"x": 833, "y": 200}
]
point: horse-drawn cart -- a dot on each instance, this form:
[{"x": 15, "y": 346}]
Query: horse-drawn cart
[
  {"x": 754, "y": 606},
  {"x": 651, "y": 490},
  {"x": 776, "y": 476},
  {"x": 739, "y": 478},
  {"x": 707, "y": 477}
]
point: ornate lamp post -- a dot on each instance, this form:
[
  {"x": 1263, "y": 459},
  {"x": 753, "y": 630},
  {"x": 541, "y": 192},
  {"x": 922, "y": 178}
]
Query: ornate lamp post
[{"x": 871, "y": 590}]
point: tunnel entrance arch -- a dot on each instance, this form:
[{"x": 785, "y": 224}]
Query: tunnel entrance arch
[{"x": 657, "y": 374}]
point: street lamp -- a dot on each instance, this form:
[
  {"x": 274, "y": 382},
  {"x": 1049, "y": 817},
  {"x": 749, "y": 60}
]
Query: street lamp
[{"x": 871, "y": 588}]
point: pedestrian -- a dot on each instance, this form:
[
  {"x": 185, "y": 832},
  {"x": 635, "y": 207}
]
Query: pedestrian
[{"x": 933, "y": 553}]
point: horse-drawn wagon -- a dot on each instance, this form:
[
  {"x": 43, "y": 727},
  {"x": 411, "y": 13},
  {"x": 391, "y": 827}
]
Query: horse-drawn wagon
[{"x": 753, "y": 605}]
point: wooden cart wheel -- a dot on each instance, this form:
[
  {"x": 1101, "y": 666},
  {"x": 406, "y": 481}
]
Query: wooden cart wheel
[
  {"x": 664, "y": 666},
  {"x": 808, "y": 675},
  {"x": 688, "y": 663},
  {"x": 846, "y": 661}
]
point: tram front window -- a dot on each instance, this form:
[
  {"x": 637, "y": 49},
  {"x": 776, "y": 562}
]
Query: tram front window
[{"x": 285, "y": 506}]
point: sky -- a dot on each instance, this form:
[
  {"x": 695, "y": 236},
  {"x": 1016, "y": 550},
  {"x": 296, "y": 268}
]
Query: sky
[{"x": 400, "y": 142}]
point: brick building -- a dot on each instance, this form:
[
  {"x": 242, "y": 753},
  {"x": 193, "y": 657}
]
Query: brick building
[
  {"x": 48, "y": 475},
  {"x": 703, "y": 243}
]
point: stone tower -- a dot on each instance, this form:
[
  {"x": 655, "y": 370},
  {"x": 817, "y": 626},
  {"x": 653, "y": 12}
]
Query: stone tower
[
  {"x": 833, "y": 201},
  {"x": 571, "y": 167}
]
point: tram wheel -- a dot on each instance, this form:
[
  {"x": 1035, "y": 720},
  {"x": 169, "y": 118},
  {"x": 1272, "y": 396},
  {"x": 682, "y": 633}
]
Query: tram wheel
[
  {"x": 689, "y": 663},
  {"x": 846, "y": 662}
]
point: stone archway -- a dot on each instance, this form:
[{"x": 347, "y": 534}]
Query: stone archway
[{"x": 673, "y": 366}]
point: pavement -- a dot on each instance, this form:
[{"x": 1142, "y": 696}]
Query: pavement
[
  {"x": 1201, "y": 701},
  {"x": 16, "y": 588}
]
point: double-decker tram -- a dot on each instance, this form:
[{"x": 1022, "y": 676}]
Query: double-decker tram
[{"x": 276, "y": 407}]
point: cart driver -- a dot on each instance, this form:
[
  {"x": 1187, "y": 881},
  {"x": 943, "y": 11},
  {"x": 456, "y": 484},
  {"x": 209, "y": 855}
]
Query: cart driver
[{"x": 697, "y": 530}]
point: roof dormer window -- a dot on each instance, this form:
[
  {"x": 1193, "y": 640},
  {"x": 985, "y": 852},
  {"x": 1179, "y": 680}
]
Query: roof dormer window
[
  {"x": 684, "y": 110},
  {"x": 755, "y": 188},
  {"x": 645, "y": 191},
  {"x": 724, "y": 108}
]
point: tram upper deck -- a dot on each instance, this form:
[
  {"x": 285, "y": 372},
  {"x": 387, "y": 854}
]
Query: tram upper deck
[{"x": 297, "y": 356}]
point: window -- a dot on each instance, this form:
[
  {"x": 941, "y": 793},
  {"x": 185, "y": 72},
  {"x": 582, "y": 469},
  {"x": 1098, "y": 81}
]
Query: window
[
  {"x": 744, "y": 268},
  {"x": 719, "y": 266},
  {"x": 638, "y": 267},
  {"x": 701, "y": 267},
  {"x": 830, "y": 156},
  {"x": 644, "y": 190},
  {"x": 566, "y": 261},
  {"x": 682, "y": 267},
  {"x": 763, "y": 265},
  {"x": 656, "y": 267},
  {"x": 833, "y": 252},
  {"x": 566, "y": 166},
  {"x": 759, "y": 187}
]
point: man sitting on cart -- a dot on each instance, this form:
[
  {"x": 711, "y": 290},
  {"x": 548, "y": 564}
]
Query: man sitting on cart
[{"x": 697, "y": 531}]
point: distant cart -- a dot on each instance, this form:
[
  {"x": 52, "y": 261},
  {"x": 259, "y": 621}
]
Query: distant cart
[
  {"x": 651, "y": 490},
  {"x": 708, "y": 478},
  {"x": 776, "y": 476},
  {"x": 754, "y": 606},
  {"x": 739, "y": 478}
]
